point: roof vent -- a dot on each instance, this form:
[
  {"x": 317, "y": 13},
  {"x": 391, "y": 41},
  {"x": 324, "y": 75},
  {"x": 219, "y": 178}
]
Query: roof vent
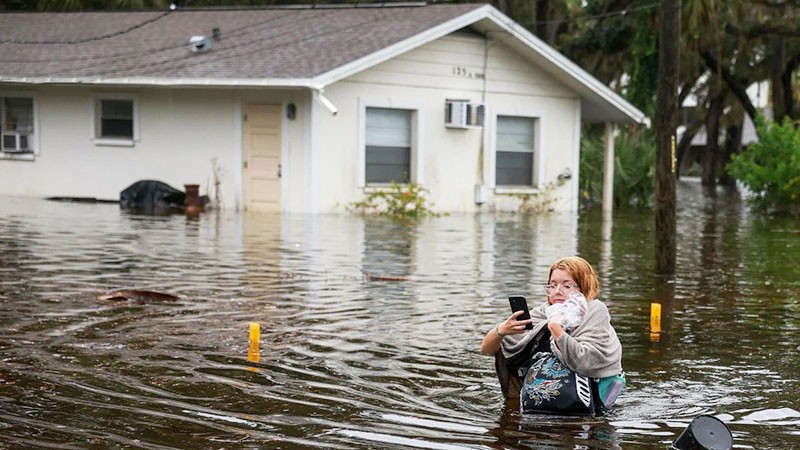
[{"x": 200, "y": 44}]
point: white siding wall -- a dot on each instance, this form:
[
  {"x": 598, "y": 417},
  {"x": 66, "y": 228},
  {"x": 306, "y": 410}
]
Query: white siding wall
[
  {"x": 180, "y": 131},
  {"x": 451, "y": 161}
]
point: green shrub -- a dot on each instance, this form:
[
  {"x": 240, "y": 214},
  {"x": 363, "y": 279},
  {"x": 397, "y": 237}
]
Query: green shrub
[
  {"x": 634, "y": 168},
  {"x": 770, "y": 168},
  {"x": 402, "y": 202}
]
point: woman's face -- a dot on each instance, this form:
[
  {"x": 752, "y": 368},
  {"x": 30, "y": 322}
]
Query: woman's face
[{"x": 561, "y": 284}]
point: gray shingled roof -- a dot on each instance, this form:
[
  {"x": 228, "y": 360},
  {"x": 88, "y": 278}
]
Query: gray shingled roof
[
  {"x": 289, "y": 43},
  {"x": 299, "y": 47}
]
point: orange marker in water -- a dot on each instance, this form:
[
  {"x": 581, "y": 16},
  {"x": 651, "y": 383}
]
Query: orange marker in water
[{"x": 655, "y": 317}]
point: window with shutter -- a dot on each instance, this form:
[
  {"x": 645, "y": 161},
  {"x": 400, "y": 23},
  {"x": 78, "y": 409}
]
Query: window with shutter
[
  {"x": 514, "y": 152},
  {"x": 388, "y": 145}
]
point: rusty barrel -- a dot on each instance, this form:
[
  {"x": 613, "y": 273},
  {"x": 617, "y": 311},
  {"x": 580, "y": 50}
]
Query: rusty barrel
[{"x": 192, "y": 202}]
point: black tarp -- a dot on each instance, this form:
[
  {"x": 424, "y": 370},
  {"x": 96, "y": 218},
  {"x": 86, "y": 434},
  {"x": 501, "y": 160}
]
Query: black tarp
[{"x": 151, "y": 196}]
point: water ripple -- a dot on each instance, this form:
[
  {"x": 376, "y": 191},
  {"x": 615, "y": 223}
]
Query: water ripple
[{"x": 349, "y": 361}]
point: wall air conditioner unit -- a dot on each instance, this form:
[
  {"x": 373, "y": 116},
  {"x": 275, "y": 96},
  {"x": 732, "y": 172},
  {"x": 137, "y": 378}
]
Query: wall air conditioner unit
[
  {"x": 477, "y": 115},
  {"x": 15, "y": 143},
  {"x": 462, "y": 114},
  {"x": 455, "y": 115}
]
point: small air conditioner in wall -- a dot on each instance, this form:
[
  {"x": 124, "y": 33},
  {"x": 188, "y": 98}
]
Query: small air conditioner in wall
[
  {"x": 463, "y": 114},
  {"x": 477, "y": 115},
  {"x": 15, "y": 143}
]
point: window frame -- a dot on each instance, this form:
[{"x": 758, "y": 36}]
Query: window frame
[
  {"x": 33, "y": 137},
  {"x": 416, "y": 151},
  {"x": 391, "y": 149},
  {"x": 96, "y": 122},
  {"x": 536, "y": 159}
]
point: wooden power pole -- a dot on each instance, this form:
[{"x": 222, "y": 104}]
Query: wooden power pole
[{"x": 666, "y": 124}]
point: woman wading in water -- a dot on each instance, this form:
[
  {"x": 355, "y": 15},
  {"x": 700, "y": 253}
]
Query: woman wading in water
[{"x": 571, "y": 324}]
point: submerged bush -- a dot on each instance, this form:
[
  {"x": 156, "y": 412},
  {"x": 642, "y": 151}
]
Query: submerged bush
[
  {"x": 770, "y": 168},
  {"x": 403, "y": 202},
  {"x": 634, "y": 168}
]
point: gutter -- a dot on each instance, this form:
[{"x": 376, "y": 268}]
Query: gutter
[
  {"x": 319, "y": 96},
  {"x": 165, "y": 82}
]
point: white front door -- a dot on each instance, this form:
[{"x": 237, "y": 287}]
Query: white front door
[{"x": 262, "y": 157}]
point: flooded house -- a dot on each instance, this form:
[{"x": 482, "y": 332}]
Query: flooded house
[{"x": 295, "y": 109}]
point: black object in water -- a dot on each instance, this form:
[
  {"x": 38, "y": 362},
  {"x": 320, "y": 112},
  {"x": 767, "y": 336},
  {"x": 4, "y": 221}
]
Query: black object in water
[
  {"x": 151, "y": 196},
  {"x": 705, "y": 433}
]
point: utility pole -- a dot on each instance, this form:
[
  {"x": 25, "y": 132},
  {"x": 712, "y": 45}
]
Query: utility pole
[{"x": 666, "y": 124}]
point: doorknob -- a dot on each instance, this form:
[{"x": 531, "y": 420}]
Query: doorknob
[{"x": 279, "y": 170}]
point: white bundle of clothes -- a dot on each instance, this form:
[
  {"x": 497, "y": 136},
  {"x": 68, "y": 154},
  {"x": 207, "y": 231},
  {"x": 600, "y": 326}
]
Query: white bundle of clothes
[{"x": 570, "y": 312}]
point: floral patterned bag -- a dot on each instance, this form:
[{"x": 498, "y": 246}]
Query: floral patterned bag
[{"x": 550, "y": 387}]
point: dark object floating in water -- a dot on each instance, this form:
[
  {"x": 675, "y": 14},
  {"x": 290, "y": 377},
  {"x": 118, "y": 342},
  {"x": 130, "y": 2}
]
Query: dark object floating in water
[
  {"x": 158, "y": 198},
  {"x": 136, "y": 295},
  {"x": 372, "y": 277},
  {"x": 151, "y": 196},
  {"x": 705, "y": 433},
  {"x": 80, "y": 200}
]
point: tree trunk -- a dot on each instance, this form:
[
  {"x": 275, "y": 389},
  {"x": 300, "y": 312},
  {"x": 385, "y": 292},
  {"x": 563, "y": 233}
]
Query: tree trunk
[
  {"x": 709, "y": 160},
  {"x": 665, "y": 123},
  {"x": 739, "y": 90},
  {"x": 685, "y": 144},
  {"x": 502, "y": 5},
  {"x": 545, "y": 27},
  {"x": 733, "y": 145},
  {"x": 786, "y": 82},
  {"x": 776, "y": 79}
]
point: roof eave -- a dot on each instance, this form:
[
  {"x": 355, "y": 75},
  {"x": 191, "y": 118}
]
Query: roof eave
[{"x": 163, "y": 82}]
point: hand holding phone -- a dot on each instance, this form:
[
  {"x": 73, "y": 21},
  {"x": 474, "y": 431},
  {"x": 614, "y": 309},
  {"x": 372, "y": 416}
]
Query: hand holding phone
[{"x": 519, "y": 303}]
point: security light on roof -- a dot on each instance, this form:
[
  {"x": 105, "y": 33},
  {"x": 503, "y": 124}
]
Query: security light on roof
[{"x": 200, "y": 44}]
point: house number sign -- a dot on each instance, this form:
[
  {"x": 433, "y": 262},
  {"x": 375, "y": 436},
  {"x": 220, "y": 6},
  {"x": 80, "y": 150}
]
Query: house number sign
[{"x": 461, "y": 71}]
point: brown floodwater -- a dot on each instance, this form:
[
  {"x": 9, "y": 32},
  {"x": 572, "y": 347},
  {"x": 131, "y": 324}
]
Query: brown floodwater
[{"x": 351, "y": 361}]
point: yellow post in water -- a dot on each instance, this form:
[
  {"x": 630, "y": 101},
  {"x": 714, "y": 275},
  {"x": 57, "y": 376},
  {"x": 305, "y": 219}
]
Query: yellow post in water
[
  {"x": 253, "y": 354},
  {"x": 255, "y": 333},
  {"x": 655, "y": 317}
]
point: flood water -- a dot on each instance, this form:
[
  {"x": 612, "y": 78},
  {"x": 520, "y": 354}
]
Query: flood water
[{"x": 347, "y": 361}]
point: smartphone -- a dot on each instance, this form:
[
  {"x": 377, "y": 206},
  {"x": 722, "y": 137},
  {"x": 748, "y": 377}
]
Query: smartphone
[{"x": 518, "y": 303}]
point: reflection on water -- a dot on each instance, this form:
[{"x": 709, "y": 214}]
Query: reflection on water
[{"x": 349, "y": 362}]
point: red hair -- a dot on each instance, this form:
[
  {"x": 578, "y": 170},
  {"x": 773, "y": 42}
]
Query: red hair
[{"x": 582, "y": 272}]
